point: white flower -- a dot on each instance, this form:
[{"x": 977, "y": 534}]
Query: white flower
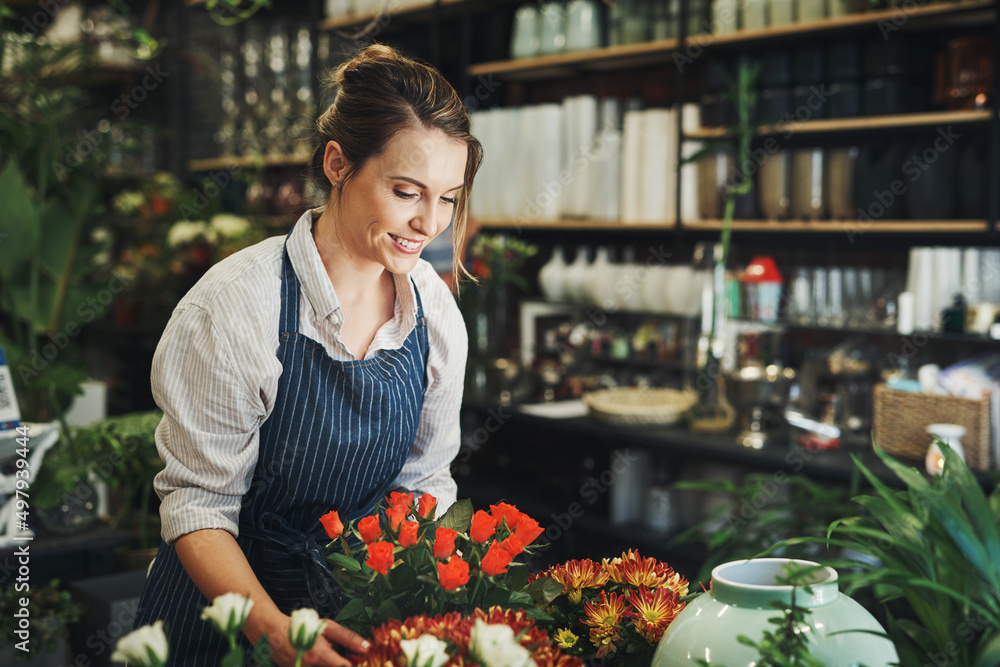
[
  {"x": 145, "y": 647},
  {"x": 305, "y": 628},
  {"x": 228, "y": 612},
  {"x": 186, "y": 231},
  {"x": 128, "y": 202},
  {"x": 495, "y": 646},
  {"x": 229, "y": 226},
  {"x": 424, "y": 651}
]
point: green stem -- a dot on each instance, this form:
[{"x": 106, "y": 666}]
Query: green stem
[{"x": 298, "y": 657}]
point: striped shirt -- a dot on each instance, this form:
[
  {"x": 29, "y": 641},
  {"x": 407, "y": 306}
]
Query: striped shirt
[{"x": 215, "y": 374}]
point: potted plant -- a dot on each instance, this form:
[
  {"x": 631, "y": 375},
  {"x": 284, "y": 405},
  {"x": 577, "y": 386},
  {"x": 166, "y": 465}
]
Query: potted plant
[
  {"x": 51, "y": 610},
  {"x": 120, "y": 452}
]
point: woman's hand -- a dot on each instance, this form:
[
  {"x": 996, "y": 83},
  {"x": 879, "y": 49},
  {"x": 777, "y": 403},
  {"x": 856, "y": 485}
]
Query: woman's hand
[{"x": 323, "y": 654}]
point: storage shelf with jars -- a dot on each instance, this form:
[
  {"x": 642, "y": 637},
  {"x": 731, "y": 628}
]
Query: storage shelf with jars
[{"x": 540, "y": 66}]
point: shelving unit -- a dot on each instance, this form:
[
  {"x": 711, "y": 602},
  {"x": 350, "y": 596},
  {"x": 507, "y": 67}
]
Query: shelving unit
[
  {"x": 613, "y": 58},
  {"x": 244, "y": 161},
  {"x": 415, "y": 11}
]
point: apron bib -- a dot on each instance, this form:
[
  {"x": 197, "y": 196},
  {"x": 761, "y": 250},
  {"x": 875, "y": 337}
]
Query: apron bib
[{"x": 337, "y": 438}]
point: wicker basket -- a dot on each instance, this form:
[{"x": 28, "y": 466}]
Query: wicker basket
[
  {"x": 631, "y": 406},
  {"x": 901, "y": 419}
]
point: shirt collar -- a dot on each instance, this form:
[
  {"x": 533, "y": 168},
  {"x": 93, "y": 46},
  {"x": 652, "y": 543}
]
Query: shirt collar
[{"x": 308, "y": 265}]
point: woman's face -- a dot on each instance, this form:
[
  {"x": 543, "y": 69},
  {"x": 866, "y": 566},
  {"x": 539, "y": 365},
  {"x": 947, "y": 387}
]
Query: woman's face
[{"x": 400, "y": 200}]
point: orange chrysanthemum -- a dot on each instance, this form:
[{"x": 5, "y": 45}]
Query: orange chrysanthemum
[
  {"x": 632, "y": 569},
  {"x": 652, "y": 610},
  {"x": 604, "y": 619},
  {"x": 576, "y": 575}
]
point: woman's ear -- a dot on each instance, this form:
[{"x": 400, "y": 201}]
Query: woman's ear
[{"x": 334, "y": 163}]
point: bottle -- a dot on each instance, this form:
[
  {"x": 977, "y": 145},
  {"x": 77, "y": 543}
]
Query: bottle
[{"x": 953, "y": 316}]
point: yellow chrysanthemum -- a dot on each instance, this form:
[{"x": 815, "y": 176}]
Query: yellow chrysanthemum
[
  {"x": 576, "y": 575},
  {"x": 565, "y": 638},
  {"x": 652, "y": 610},
  {"x": 632, "y": 569},
  {"x": 605, "y": 618}
]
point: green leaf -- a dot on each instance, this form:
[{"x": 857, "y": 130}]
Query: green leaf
[
  {"x": 520, "y": 598},
  {"x": 386, "y": 610},
  {"x": 262, "y": 652},
  {"x": 346, "y": 562},
  {"x": 988, "y": 652},
  {"x": 544, "y": 590},
  {"x": 458, "y": 517},
  {"x": 402, "y": 578},
  {"x": 20, "y": 232},
  {"x": 957, "y": 475},
  {"x": 353, "y": 609},
  {"x": 518, "y": 578}
]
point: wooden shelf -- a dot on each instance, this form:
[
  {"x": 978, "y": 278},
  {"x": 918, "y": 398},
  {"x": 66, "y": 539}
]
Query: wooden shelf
[
  {"x": 242, "y": 161},
  {"x": 352, "y": 20},
  {"x": 660, "y": 52},
  {"x": 562, "y": 64},
  {"x": 964, "y": 14},
  {"x": 861, "y": 123},
  {"x": 846, "y": 226},
  {"x": 571, "y": 224}
]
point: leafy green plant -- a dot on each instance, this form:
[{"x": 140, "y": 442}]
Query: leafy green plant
[
  {"x": 932, "y": 560},
  {"x": 763, "y": 509},
  {"x": 120, "y": 451},
  {"x": 51, "y": 610},
  {"x": 49, "y": 194}
]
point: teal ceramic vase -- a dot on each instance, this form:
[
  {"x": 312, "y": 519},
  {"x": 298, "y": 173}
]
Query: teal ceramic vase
[{"x": 839, "y": 630}]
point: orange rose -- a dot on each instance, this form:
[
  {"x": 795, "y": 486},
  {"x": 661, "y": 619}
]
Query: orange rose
[
  {"x": 426, "y": 506},
  {"x": 369, "y": 529},
  {"x": 496, "y": 560},
  {"x": 408, "y": 533},
  {"x": 483, "y": 526},
  {"x": 396, "y": 516},
  {"x": 453, "y": 574},
  {"x": 509, "y": 513},
  {"x": 332, "y": 525},
  {"x": 380, "y": 557},
  {"x": 402, "y": 500},
  {"x": 528, "y": 530},
  {"x": 513, "y": 544},
  {"x": 444, "y": 542}
]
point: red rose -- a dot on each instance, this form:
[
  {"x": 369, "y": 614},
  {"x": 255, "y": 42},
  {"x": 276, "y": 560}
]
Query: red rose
[
  {"x": 496, "y": 560},
  {"x": 408, "y": 533},
  {"x": 444, "y": 542},
  {"x": 513, "y": 544},
  {"x": 380, "y": 557},
  {"x": 426, "y": 506},
  {"x": 453, "y": 574},
  {"x": 528, "y": 530},
  {"x": 332, "y": 525},
  {"x": 369, "y": 529},
  {"x": 396, "y": 516},
  {"x": 483, "y": 526},
  {"x": 507, "y": 512},
  {"x": 402, "y": 500}
]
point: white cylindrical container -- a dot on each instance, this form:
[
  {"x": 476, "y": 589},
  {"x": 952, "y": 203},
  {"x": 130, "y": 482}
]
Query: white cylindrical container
[{"x": 904, "y": 321}]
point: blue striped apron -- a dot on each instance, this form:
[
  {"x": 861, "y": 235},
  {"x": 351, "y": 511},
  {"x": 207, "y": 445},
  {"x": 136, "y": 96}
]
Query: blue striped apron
[{"x": 337, "y": 437}]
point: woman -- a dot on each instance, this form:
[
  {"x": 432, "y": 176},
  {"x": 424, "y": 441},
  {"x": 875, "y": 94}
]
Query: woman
[{"x": 315, "y": 372}]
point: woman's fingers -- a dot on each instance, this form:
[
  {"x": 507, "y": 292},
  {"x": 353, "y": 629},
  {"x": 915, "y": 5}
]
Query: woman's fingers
[
  {"x": 350, "y": 640},
  {"x": 322, "y": 654}
]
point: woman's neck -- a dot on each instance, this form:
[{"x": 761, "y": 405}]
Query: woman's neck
[{"x": 355, "y": 280}]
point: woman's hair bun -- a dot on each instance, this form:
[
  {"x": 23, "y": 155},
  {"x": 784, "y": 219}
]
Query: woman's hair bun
[{"x": 369, "y": 54}]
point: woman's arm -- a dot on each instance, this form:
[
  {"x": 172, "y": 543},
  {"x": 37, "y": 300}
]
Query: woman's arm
[{"x": 217, "y": 565}]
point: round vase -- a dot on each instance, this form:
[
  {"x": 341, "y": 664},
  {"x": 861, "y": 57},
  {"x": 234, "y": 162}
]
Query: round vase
[
  {"x": 552, "y": 276},
  {"x": 839, "y": 631}
]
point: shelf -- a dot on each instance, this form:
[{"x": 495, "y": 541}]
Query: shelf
[
  {"x": 846, "y": 226},
  {"x": 613, "y": 58},
  {"x": 561, "y": 64},
  {"x": 496, "y": 223},
  {"x": 959, "y": 14},
  {"x": 242, "y": 161},
  {"x": 863, "y": 123},
  {"x": 413, "y": 10}
]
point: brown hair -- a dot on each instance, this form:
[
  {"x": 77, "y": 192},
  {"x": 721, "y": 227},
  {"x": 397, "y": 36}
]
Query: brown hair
[{"x": 379, "y": 93}]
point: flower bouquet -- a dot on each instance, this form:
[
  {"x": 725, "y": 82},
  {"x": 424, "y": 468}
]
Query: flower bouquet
[
  {"x": 494, "y": 638},
  {"x": 619, "y": 607},
  {"x": 411, "y": 563}
]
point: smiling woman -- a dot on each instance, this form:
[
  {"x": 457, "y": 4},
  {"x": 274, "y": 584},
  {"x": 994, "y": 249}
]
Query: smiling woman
[{"x": 316, "y": 371}]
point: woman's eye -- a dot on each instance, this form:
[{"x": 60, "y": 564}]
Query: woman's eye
[
  {"x": 404, "y": 195},
  {"x": 448, "y": 201}
]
